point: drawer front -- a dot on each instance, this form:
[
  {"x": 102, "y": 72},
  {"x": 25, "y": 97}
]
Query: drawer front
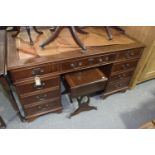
[
  {"x": 121, "y": 76},
  {"x": 124, "y": 66},
  {"x": 40, "y": 97},
  {"x": 43, "y": 108},
  {"x": 73, "y": 64},
  {"x": 129, "y": 54},
  {"x": 117, "y": 85},
  {"x": 91, "y": 61},
  {"x": 88, "y": 89},
  {"x": 21, "y": 74},
  {"x": 30, "y": 87},
  {"x": 102, "y": 59}
]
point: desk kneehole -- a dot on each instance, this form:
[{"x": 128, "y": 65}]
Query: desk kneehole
[{"x": 83, "y": 83}]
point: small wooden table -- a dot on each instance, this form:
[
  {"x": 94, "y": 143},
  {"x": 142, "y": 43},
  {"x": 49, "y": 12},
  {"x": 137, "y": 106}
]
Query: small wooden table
[{"x": 83, "y": 83}]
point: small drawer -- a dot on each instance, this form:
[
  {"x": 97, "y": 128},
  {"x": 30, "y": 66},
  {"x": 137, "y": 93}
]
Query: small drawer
[
  {"x": 40, "y": 97},
  {"x": 101, "y": 59},
  {"x": 106, "y": 58},
  {"x": 124, "y": 66},
  {"x": 29, "y": 87},
  {"x": 21, "y": 74},
  {"x": 121, "y": 76},
  {"x": 129, "y": 54},
  {"x": 117, "y": 85},
  {"x": 43, "y": 108},
  {"x": 73, "y": 64}
]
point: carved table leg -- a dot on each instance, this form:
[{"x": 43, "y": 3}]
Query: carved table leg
[
  {"x": 29, "y": 34},
  {"x": 108, "y": 32},
  {"x": 53, "y": 36},
  {"x": 57, "y": 31},
  {"x": 36, "y": 30},
  {"x": 76, "y": 38},
  {"x": 78, "y": 29},
  {"x": 83, "y": 106}
]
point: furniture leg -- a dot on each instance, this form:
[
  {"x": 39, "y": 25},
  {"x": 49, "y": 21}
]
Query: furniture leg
[
  {"x": 83, "y": 106},
  {"x": 53, "y": 36},
  {"x": 18, "y": 31},
  {"x": 76, "y": 38},
  {"x": 78, "y": 29},
  {"x": 36, "y": 30},
  {"x": 108, "y": 32},
  {"x": 29, "y": 34}
]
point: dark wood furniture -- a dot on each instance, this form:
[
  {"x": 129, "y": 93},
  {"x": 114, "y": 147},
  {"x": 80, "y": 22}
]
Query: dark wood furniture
[
  {"x": 81, "y": 84},
  {"x": 117, "y": 58}
]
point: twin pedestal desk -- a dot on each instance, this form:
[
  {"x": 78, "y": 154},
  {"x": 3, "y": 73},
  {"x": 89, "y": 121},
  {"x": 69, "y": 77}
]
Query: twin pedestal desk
[{"x": 116, "y": 58}]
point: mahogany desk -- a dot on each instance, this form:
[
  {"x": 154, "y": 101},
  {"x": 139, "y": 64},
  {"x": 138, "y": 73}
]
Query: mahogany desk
[{"x": 117, "y": 58}]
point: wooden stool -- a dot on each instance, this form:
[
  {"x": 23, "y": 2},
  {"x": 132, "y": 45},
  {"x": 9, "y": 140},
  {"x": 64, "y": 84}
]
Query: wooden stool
[{"x": 83, "y": 83}]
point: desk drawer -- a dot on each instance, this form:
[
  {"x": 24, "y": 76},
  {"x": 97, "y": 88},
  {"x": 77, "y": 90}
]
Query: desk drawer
[
  {"x": 121, "y": 76},
  {"x": 124, "y": 66},
  {"x": 101, "y": 59},
  {"x": 129, "y": 54},
  {"x": 26, "y": 101},
  {"x": 43, "y": 108},
  {"x": 29, "y": 87},
  {"x": 117, "y": 85},
  {"x": 21, "y": 74},
  {"x": 71, "y": 65}
]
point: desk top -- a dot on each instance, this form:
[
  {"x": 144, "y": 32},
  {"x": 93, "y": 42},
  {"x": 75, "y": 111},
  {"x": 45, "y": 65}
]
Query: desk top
[
  {"x": 21, "y": 54},
  {"x": 2, "y": 52}
]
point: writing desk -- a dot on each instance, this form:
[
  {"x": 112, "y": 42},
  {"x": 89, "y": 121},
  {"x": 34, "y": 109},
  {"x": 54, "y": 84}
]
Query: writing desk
[{"x": 117, "y": 58}]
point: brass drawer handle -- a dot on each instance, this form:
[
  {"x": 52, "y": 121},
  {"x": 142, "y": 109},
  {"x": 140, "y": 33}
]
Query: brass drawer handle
[
  {"x": 121, "y": 76},
  {"x": 91, "y": 60},
  {"x": 125, "y": 66},
  {"x": 129, "y": 54},
  {"x": 119, "y": 85},
  {"x": 41, "y": 97},
  {"x": 73, "y": 65},
  {"x": 37, "y": 71},
  {"x": 106, "y": 58},
  {"x": 100, "y": 60},
  {"x": 80, "y": 64},
  {"x": 41, "y": 108}
]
